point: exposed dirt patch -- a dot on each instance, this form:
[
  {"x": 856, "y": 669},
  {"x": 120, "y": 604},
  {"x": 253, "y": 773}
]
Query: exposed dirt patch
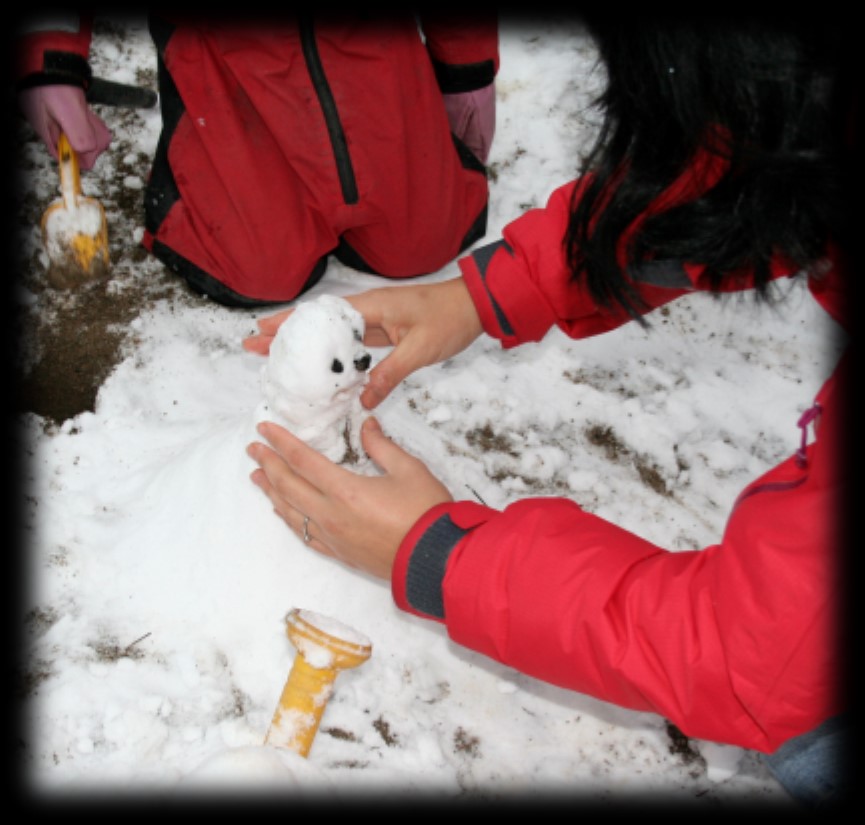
[
  {"x": 603, "y": 436},
  {"x": 383, "y": 730},
  {"x": 109, "y": 649},
  {"x": 27, "y": 680},
  {"x": 465, "y": 743},
  {"x": 487, "y": 440},
  {"x": 67, "y": 341},
  {"x": 340, "y": 733},
  {"x": 77, "y": 346},
  {"x": 681, "y": 746}
]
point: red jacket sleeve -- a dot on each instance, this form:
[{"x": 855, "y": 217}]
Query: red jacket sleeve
[
  {"x": 53, "y": 51},
  {"x": 464, "y": 49},
  {"x": 734, "y": 643}
]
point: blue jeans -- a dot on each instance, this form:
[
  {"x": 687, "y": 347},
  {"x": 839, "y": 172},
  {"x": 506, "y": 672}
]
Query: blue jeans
[{"x": 813, "y": 767}]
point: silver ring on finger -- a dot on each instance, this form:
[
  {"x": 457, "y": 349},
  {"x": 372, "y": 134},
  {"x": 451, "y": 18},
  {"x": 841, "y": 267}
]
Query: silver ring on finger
[{"x": 306, "y": 536}]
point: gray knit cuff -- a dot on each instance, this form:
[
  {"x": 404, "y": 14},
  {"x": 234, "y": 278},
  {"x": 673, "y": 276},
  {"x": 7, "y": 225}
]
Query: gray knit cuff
[{"x": 426, "y": 567}]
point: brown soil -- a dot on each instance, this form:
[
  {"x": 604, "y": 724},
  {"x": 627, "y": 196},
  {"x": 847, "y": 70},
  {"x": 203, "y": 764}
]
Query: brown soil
[
  {"x": 68, "y": 340},
  {"x": 77, "y": 339},
  {"x": 78, "y": 347}
]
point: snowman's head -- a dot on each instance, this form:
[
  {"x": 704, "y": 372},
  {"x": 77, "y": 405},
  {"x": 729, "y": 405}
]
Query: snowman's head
[{"x": 317, "y": 355}]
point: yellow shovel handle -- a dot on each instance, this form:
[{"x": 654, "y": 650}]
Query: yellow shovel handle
[{"x": 70, "y": 176}]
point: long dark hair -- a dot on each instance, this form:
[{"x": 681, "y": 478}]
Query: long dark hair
[{"x": 765, "y": 96}]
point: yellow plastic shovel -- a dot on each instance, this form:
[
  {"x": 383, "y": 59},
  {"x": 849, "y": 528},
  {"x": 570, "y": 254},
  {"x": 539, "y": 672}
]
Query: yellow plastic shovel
[
  {"x": 325, "y": 647},
  {"x": 74, "y": 228}
]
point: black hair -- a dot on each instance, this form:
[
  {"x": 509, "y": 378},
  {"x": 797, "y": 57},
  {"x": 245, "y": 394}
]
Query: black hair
[{"x": 764, "y": 96}]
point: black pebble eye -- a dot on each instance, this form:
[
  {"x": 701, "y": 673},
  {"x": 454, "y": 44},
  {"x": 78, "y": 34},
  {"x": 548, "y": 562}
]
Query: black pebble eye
[{"x": 336, "y": 366}]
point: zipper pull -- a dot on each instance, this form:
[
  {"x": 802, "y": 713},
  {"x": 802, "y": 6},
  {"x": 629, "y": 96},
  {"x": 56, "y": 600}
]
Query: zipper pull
[{"x": 810, "y": 415}]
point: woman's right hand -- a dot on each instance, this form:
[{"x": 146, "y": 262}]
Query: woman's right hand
[{"x": 424, "y": 323}]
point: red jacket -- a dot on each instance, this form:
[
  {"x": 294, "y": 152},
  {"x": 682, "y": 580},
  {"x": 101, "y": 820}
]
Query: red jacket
[{"x": 734, "y": 643}]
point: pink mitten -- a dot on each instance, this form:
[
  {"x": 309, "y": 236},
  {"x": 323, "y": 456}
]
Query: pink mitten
[
  {"x": 53, "y": 109},
  {"x": 472, "y": 116}
]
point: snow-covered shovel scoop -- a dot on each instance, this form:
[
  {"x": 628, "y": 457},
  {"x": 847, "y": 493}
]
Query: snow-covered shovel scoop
[
  {"x": 324, "y": 648},
  {"x": 74, "y": 228}
]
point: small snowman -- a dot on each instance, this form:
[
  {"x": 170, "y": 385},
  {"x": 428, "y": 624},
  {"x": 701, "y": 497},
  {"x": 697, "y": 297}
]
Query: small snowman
[{"x": 314, "y": 375}]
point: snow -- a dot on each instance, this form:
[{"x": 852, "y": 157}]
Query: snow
[
  {"x": 63, "y": 223},
  {"x": 160, "y": 578}
]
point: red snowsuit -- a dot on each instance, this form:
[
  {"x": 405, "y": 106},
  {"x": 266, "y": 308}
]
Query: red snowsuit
[
  {"x": 285, "y": 141},
  {"x": 734, "y": 643}
]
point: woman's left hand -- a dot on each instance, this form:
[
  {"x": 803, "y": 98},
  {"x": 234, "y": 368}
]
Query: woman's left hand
[{"x": 359, "y": 520}]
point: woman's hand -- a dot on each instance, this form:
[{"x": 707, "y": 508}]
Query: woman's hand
[
  {"x": 424, "y": 323},
  {"x": 359, "y": 520}
]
